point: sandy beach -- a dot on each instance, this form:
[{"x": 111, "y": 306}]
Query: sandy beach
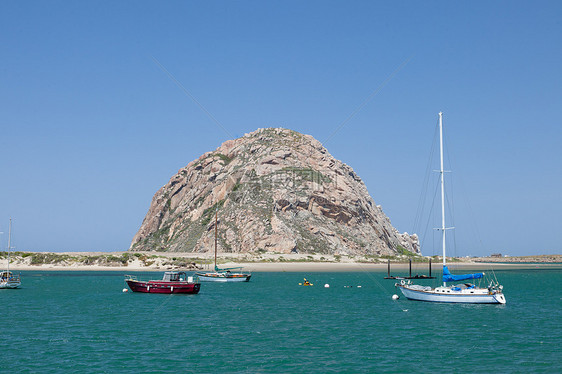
[{"x": 160, "y": 261}]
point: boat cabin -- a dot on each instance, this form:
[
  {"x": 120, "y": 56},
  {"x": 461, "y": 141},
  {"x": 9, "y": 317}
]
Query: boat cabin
[
  {"x": 174, "y": 276},
  {"x": 7, "y": 275}
]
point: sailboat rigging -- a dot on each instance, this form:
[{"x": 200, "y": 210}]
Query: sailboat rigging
[
  {"x": 222, "y": 275},
  {"x": 7, "y": 278},
  {"x": 459, "y": 293}
]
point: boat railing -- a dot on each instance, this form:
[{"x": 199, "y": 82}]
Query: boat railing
[{"x": 188, "y": 278}]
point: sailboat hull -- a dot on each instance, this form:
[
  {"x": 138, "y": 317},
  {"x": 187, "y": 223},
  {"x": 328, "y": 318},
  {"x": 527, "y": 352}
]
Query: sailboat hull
[
  {"x": 163, "y": 287},
  {"x": 10, "y": 284},
  {"x": 223, "y": 277},
  {"x": 446, "y": 295}
]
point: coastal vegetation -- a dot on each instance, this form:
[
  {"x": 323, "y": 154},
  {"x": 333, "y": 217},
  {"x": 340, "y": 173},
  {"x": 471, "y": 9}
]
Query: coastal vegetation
[
  {"x": 199, "y": 260},
  {"x": 180, "y": 260},
  {"x": 106, "y": 260}
]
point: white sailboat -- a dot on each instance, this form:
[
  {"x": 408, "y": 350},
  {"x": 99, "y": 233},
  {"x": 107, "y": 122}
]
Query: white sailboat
[
  {"x": 458, "y": 293},
  {"x": 222, "y": 275},
  {"x": 7, "y": 278}
]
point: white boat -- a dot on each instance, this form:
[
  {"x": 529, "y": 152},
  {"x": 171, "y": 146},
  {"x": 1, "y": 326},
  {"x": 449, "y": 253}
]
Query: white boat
[
  {"x": 222, "y": 275},
  {"x": 7, "y": 278},
  {"x": 459, "y": 293}
]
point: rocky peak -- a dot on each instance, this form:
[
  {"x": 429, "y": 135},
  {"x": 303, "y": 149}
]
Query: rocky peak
[{"x": 275, "y": 190}]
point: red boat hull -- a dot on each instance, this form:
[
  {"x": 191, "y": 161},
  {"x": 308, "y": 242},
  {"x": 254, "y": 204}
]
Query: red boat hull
[{"x": 163, "y": 287}]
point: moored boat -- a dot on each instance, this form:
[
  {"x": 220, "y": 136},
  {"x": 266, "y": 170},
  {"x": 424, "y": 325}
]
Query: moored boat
[
  {"x": 222, "y": 275},
  {"x": 7, "y": 278},
  {"x": 467, "y": 293},
  {"x": 172, "y": 282},
  {"x": 461, "y": 293}
]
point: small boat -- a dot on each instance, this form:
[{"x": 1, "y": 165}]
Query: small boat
[
  {"x": 222, "y": 275},
  {"x": 7, "y": 278},
  {"x": 172, "y": 282},
  {"x": 306, "y": 283},
  {"x": 467, "y": 293}
]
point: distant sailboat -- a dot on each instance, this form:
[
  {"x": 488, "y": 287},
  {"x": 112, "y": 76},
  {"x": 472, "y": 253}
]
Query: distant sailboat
[
  {"x": 222, "y": 275},
  {"x": 7, "y": 278},
  {"x": 460, "y": 293}
]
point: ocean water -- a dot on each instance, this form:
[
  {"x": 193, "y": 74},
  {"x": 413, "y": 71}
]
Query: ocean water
[{"x": 68, "y": 322}]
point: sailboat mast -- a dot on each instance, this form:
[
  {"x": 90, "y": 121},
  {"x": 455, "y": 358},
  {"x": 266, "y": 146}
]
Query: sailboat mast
[
  {"x": 442, "y": 172},
  {"x": 9, "y": 243},
  {"x": 216, "y": 222}
]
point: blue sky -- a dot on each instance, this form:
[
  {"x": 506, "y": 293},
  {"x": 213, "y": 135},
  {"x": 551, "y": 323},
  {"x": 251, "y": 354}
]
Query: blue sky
[{"x": 91, "y": 126}]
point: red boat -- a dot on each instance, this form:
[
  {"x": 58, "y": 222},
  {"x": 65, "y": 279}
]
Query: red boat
[{"x": 172, "y": 282}]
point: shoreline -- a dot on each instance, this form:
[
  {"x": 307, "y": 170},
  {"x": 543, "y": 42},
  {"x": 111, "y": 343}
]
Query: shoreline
[{"x": 126, "y": 261}]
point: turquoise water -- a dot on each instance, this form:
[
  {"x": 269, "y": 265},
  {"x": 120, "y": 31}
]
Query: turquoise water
[{"x": 63, "y": 322}]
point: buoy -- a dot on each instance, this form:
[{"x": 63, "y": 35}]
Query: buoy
[
  {"x": 326, "y": 285},
  {"x": 395, "y": 297},
  {"x": 125, "y": 290}
]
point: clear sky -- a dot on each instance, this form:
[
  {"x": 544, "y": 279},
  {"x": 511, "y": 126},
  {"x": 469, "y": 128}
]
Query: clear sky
[{"x": 91, "y": 126}]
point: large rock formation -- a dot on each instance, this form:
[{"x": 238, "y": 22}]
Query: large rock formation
[{"x": 275, "y": 190}]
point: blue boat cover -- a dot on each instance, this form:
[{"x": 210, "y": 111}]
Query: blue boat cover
[{"x": 448, "y": 277}]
